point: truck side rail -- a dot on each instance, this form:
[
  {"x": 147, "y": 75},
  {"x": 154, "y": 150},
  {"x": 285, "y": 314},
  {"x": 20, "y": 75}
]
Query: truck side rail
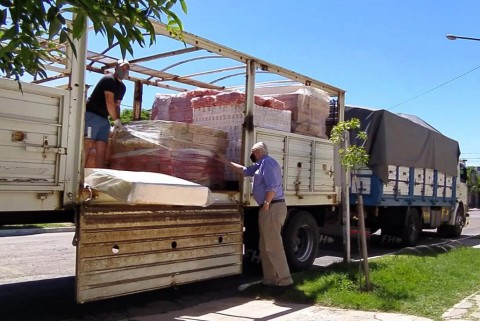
[{"x": 406, "y": 186}]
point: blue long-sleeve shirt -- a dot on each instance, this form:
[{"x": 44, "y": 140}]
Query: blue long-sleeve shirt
[{"x": 267, "y": 176}]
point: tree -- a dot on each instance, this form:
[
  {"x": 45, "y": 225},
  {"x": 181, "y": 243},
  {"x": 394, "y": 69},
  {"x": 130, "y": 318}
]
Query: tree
[
  {"x": 30, "y": 31},
  {"x": 353, "y": 157},
  {"x": 126, "y": 115}
]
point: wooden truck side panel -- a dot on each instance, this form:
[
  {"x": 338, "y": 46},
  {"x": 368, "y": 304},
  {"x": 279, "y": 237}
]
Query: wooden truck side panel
[
  {"x": 33, "y": 138},
  {"x": 308, "y": 167},
  {"x": 128, "y": 249}
]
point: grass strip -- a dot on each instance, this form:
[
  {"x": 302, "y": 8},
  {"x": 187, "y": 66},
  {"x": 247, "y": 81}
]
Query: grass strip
[{"x": 423, "y": 285}]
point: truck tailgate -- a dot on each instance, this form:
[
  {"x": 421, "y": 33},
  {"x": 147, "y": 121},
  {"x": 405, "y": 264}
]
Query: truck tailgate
[{"x": 125, "y": 249}]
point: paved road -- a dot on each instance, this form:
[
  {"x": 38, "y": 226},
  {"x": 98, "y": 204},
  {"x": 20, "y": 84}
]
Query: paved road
[{"x": 37, "y": 280}]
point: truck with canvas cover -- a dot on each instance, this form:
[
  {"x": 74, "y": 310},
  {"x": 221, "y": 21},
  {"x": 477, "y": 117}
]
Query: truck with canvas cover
[
  {"x": 163, "y": 212},
  {"x": 414, "y": 179}
]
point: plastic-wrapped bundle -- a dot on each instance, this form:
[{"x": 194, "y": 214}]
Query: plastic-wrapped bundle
[
  {"x": 178, "y": 107},
  {"x": 179, "y": 149},
  {"x": 200, "y": 93},
  {"x": 160, "y": 108},
  {"x": 172, "y": 107},
  {"x": 230, "y": 119},
  {"x": 310, "y": 107},
  {"x": 259, "y": 100},
  {"x": 199, "y": 166},
  {"x": 273, "y": 103},
  {"x": 144, "y": 160},
  {"x": 204, "y": 101},
  {"x": 230, "y": 98}
]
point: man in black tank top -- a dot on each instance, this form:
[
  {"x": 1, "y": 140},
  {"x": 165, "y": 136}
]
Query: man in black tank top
[{"x": 104, "y": 102}]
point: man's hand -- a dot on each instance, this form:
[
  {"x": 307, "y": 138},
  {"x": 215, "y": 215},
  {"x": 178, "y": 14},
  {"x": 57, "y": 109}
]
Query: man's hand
[
  {"x": 266, "y": 206},
  {"x": 117, "y": 126}
]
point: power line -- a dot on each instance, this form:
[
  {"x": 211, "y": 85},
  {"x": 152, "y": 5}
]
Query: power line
[{"x": 447, "y": 82}]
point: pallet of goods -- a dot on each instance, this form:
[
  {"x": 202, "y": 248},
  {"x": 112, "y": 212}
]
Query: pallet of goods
[
  {"x": 183, "y": 150},
  {"x": 310, "y": 107},
  {"x": 223, "y": 111}
]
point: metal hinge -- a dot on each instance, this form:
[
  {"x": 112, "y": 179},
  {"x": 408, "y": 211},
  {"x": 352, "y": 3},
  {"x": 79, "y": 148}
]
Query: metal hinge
[
  {"x": 46, "y": 149},
  {"x": 57, "y": 150}
]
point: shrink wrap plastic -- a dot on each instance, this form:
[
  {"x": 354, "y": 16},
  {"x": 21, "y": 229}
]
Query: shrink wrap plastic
[
  {"x": 177, "y": 107},
  {"x": 147, "y": 188},
  {"x": 223, "y": 111},
  {"x": 182, "y": 150},
  {"x": 310, "y": 107},
  {"x": 230, "y": 118}
]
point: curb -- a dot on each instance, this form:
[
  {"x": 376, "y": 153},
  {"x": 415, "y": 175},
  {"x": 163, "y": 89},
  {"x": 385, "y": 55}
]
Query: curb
[{"x": 30, "y": 231}]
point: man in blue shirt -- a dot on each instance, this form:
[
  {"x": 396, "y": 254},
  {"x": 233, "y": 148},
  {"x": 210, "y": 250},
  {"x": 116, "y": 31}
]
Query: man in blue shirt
[{"x": 268, "y": 192}]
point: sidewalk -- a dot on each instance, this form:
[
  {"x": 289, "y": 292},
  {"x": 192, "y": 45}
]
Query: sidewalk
[
  {"x": 240, "y": 308},
  {"x": 244, "y": 309},
  {"x": 466, "y": 310}
]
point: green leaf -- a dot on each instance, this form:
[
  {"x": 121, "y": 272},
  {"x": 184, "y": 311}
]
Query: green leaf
[
  {"x": 169, "y": 5},
  {"x": 54, "y": 28},
  {"x": 3, "y": 16},
  {"x": 72, "y": 46},
  {"x": 10, "y": 46},
  {"x": 176, "y": 19},
  {"x": 9, "y": 34},
  {"x": 79, "y": 24},
  {"x": 52, "y": 13},
  {"x": 139, "y": 37},
  {"x": 184, "y": 6}
]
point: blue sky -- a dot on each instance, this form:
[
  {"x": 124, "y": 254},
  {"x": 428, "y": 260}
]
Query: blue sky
[{"x": 385, "y": 54}]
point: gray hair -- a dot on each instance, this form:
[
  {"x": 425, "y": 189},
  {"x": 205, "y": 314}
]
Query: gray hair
[{"x": 262, "y": 146}]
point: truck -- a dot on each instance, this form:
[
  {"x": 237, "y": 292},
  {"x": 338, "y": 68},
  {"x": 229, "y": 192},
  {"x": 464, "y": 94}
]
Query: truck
[
  {"x": 148, "y": 240},
  {"x": 124, "y": 247},
  {"x": 414, "y": 179}
]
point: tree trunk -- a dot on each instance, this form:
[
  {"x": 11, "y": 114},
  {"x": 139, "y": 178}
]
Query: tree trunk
[
  {"x": 346, "y": 217},
  {"x": 363, "y": 242}
]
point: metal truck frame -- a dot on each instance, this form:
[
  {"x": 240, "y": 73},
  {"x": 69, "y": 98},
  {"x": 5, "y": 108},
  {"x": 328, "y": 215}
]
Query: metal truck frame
[{"x": 124, "y": 249}]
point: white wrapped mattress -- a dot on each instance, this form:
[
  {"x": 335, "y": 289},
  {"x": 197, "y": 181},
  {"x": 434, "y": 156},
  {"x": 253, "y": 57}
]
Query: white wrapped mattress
[{"x": 147, "y": 188}]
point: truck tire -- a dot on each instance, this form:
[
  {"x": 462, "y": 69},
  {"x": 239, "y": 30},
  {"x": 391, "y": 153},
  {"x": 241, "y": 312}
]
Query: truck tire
[
  {"x": 412, "y": 227},
  {"x": 300, "y": 240},
  {"x": 453, "y": 230}
]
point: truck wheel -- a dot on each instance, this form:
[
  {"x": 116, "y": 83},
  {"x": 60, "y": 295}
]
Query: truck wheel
[
  {"x": 453, "y": 230},
  {"x": 300, "y": 240},
  {"x": 412, "y": 228}
]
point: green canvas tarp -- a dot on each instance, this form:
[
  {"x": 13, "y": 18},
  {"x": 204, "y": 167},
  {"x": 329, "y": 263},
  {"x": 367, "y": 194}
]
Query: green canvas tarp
[{"x": 403, "y": 140}]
